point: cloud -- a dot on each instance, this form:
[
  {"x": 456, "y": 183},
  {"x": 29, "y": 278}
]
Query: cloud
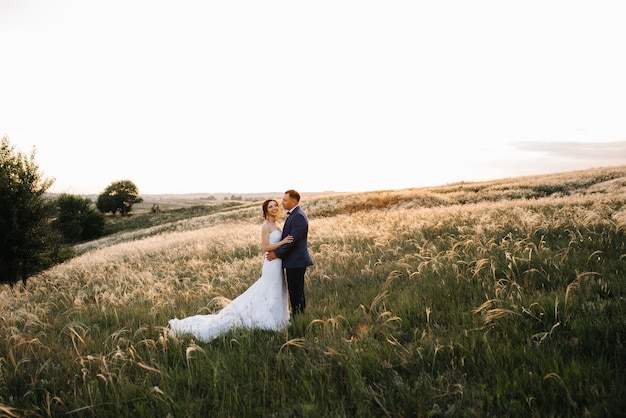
[{"x": 609, "y": 152}]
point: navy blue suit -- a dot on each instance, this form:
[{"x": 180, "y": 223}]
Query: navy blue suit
[{"x": 296, "y": 257}]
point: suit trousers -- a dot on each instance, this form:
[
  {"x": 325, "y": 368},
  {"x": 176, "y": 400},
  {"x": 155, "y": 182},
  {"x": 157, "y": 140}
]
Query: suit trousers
[{"x": 295, "y": 287}]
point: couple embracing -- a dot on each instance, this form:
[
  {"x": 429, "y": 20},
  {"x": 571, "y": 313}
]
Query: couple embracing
[{"x": 264, "y": 304}]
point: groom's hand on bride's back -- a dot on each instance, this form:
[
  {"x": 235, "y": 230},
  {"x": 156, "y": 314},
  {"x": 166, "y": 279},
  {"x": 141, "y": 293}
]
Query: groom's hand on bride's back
[{"x": 269, "y": 256}]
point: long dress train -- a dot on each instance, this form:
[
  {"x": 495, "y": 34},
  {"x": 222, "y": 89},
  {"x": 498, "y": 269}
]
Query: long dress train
[{"x": 263, "y": 305}]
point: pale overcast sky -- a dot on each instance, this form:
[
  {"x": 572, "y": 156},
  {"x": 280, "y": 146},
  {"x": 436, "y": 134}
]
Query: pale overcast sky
[{"x": 254, "y": 96}]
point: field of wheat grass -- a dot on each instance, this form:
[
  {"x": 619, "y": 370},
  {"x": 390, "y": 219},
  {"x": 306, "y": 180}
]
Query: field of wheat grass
[{"x": 500, "y": 298}]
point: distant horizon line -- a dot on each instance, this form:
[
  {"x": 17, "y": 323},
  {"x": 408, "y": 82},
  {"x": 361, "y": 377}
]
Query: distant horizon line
[
  {"x": 209, "y": 194},
  {"x": 279, "y": 193}
]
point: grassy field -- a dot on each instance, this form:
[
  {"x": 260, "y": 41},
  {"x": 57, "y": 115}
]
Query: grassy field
[{"x": 500, "y": 298}]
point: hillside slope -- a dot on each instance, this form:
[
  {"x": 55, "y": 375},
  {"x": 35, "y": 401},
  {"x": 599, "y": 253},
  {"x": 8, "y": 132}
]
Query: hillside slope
[{"x": 500, "y": 298}]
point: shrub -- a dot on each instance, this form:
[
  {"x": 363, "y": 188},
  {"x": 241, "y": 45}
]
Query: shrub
[{"x": 77, "y": 218}]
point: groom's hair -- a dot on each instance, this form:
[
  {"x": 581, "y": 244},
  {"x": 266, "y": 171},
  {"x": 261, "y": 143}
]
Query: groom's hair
[{"x": 293, "y": 194}]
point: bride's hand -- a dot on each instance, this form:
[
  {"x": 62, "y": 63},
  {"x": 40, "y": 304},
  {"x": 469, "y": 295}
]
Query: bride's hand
[{"x": 288, "y": 239}]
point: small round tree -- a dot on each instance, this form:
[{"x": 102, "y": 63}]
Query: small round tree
[{"x": 119, "y": 196}]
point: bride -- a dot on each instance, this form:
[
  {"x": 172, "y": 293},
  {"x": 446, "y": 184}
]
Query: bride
[{"x": 263, "y": 305}]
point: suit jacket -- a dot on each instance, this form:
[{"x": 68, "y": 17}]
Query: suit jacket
[{"x": 296, "y": 253}]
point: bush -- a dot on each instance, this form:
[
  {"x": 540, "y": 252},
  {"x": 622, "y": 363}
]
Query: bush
[{"x": 77, "y": 218}]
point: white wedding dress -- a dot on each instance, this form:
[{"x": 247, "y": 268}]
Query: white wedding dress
[{"x": 263, "y": 305}]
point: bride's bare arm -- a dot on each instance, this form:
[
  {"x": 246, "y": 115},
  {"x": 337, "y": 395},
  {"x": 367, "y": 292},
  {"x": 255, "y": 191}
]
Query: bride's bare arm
[{"x": 265, "y": 240}]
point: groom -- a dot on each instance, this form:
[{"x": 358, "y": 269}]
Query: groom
[{"x": 295, "y": 255}]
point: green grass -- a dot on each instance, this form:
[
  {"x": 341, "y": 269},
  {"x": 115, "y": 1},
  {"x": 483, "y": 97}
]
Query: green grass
[
  {"x": 465, "y": 300},
  {"x": 146, "y": 219}
]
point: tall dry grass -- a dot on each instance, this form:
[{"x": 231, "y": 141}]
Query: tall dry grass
[{"x": 439, "y": 302}]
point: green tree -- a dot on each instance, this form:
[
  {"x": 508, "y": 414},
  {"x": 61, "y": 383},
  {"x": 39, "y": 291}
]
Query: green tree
[
  {"x": 77, "y": 218},
  {"x": 119, "y": 196},
  {"x": 27, "y": 244}
]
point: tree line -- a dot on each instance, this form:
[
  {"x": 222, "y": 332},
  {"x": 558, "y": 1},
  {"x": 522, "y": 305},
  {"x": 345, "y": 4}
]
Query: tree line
[{"x": 36, "y": 231}]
